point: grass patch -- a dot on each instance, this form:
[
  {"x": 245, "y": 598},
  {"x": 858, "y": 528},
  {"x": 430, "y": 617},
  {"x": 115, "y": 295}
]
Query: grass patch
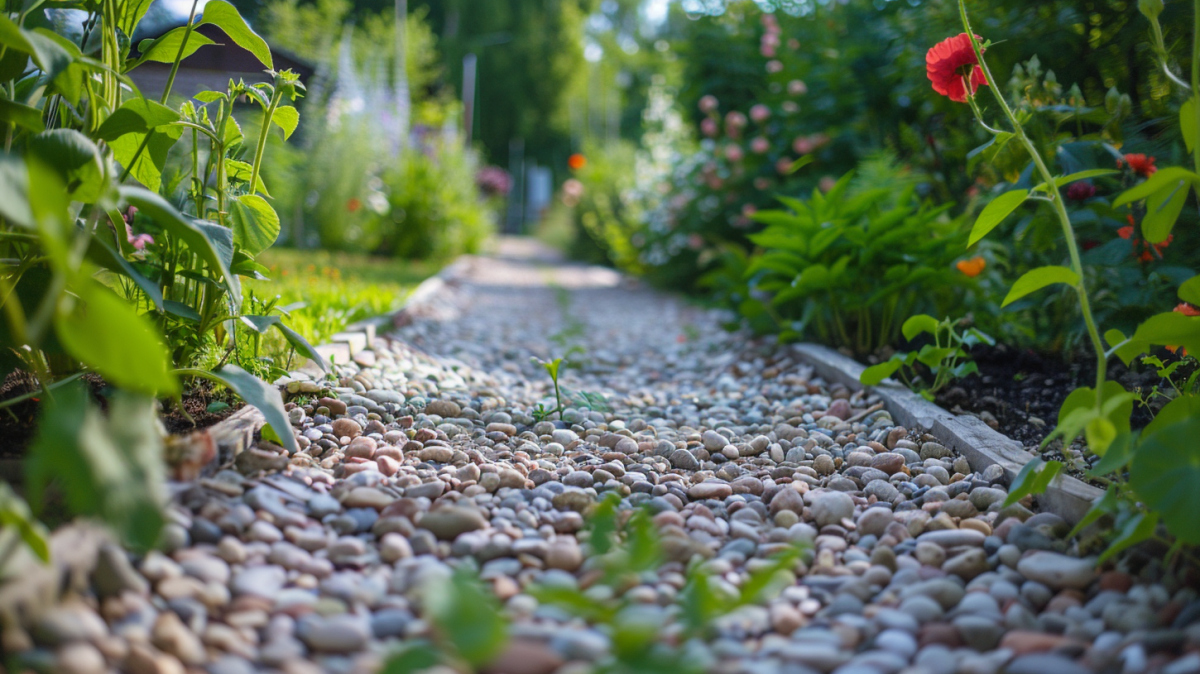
[{"x": 328, "y": 290}]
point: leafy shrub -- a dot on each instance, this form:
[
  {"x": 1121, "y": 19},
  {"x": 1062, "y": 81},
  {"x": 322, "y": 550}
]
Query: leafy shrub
[{"x": 848, "y": 266}]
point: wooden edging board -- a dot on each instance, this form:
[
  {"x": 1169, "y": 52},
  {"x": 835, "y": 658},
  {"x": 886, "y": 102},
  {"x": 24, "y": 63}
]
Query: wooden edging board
[{"x": 982, "y": 446}]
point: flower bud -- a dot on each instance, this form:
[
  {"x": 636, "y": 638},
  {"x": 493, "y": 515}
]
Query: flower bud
[{"x": 1150, "y": 8}]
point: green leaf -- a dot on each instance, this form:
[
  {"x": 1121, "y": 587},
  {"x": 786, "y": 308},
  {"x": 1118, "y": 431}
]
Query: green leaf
[
  {"x": 468, "y": 617},
  {"x": 1078, "y": 414},
  {"x": 258, "y": 393},
  {"x": 918, "y": 324},
  {"x": 1187, "y": 122},
  {"x": 1162, "y": 210},
  {"x": 1114, "y": 337},
  {"x": 226, "y": 17},
  {"x": 1105, "y": 505},
  {"x": 181, "y": 310},
  {"x": 22, "y": 115},
  {"x": 875, "y": 374},
  {"x": 1117, "y": 457},
  {"x": 932, "y": 356},
  {"x": 74, "y": 158},
  {"x": 165, "y": 48},
  {"x": 1177, "y": 411},
  {"x": 14, "y": 191},
  {"x": 1190, "y": 291},
  {"x": 164, "y": 215},
  {"x": 105, "y": 333},
  {"x": 146, "y": 167},
  {"x": 995, "y": 213},
  {"x": 261, "y": 324},
  {"x": 1164, "y": 474},
  {"x": 1150, "y": 9},
  {"x": 799, "y": 164},
  {"x": 137, "y": 115},
  {"x": 1140, "y": 527},
  {"x": 1033, "y": 478},
  {"x": 1100, "y": 433},
  {"x": 101, "y": 253},
  {"x": 1166, "y": 329},
  {"x": 1164, "y": 177},
  {"x": 1076, "y": 177},
  {"x": 255, "y": 224},
  {"x": 287, "y": 118},
  {"x": 241, "y": 171},
  {"x": 1039, "y": 278},
  {"x": 110, "y": 467},
  {"x": 15, "y": 515},
  {"x": 413, "y": 658}
]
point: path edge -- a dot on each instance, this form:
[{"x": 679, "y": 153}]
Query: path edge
[{"x": 1067, "y": 497}]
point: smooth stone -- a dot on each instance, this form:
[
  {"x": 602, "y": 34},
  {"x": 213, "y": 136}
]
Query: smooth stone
[
  {"x": 831, "y": 508},
  {"x": 1058, "y": 571}
]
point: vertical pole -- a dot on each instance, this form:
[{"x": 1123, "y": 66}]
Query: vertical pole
[
  {"x": 468, "y": 96},
  {"x": 403, "y": 100}
]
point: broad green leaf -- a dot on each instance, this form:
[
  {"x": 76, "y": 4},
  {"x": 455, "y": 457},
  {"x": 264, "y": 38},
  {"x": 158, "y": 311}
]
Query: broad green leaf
[
  {"x": 1150, "y": 9},
  {"x": 1117, "y": 456},
  {"x": 1177, "y": 411},
  {"x": 921, "y": 323},
  {"x": 1188, "y": 122},
  {"x": 995, "y": 213},
  {"x": 164, "y": 49},
  {"x": 1140, "y": 527},
  {"x": 932, "y": 356},
  {"x": 181, "y": 310},
  {"x": 22, "y": 115},
  {"x": 258, "y": 393},
  {"x": 105, "y": 333},
  {"x": 875, "y": 374},
  {"x": 74, "y": 158},
  {"x": 226, "y": 17},
  {"x": 287, "y": 118},
  {"x": 147, "y": 166},
  {"x": 1166, "y": 329},
  {"x": 1164, "y": 177},
  {"x": 1114, "y": 337},
  {"x": 137, "y": 115},
  {"x": 1078, "y": 414},
  {"x": 1164, "y": 474},
  {"x": 131, "y": 13},
  {"x": 241, "y": 171},
  {"x": 1162, "y": 210},
  {"x": 468, "y": 617},
  {"x": 1039, "y": 278},
  {"x": 1100, "y": 433},
  {"x": 1045, "y": 476},
  {"x": 1190, "y": 291},
  {"x": 111, "y": 468},
  {"x": 14, "y": 191}
]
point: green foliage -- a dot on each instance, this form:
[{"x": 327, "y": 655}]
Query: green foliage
[
  {"x": 946, "y": 359},
  {"x": 101, "y": 274},
  {"x": 844, "y": 266},
  {"x": 624, "y": 545}
]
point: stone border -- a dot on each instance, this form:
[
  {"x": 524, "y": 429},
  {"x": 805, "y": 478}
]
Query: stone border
[{"x": 982, "y": 446}]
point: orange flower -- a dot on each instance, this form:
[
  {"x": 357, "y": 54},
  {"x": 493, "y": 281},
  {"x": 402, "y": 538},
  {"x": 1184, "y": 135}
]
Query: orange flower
[
  {"x": 972, "y": 267},
  {"x": 1148, "y": 250},
  {"x": 353, "y": 204},
  {"x": 1139, "y": 164},
  {"x": 949, "y": 62},
  {"x": 576, "y": 161}
]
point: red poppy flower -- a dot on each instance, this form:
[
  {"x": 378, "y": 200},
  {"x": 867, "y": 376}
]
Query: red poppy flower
[
  {"x": 951, "y": 60},
  {"x": 576, "y": 161},
  {"x": 1139, "y": 164}
]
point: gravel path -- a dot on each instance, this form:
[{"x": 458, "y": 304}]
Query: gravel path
[{"x": 430, "y": 456}]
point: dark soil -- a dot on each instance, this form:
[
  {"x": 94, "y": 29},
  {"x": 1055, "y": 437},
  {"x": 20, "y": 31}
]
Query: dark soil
[
  {"x": 18, "y": 429},
  {"x": 1018, "y": 392}
]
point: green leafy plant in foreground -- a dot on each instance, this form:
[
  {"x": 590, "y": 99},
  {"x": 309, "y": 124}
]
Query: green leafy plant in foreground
[
  {"x": 1150, "y": 475},
  {"x": 105, "y": 267},
  {"x": 946, "y": 358},
  {"x": 626, "y": 544},
  {"x": 468, "y": 632}
]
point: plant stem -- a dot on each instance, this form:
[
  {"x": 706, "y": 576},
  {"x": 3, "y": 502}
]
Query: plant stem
[
  {"x": 268, "y": 114},
  {"x": 1059, "y": 208},
  {"x": 187, "y": 33}
]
